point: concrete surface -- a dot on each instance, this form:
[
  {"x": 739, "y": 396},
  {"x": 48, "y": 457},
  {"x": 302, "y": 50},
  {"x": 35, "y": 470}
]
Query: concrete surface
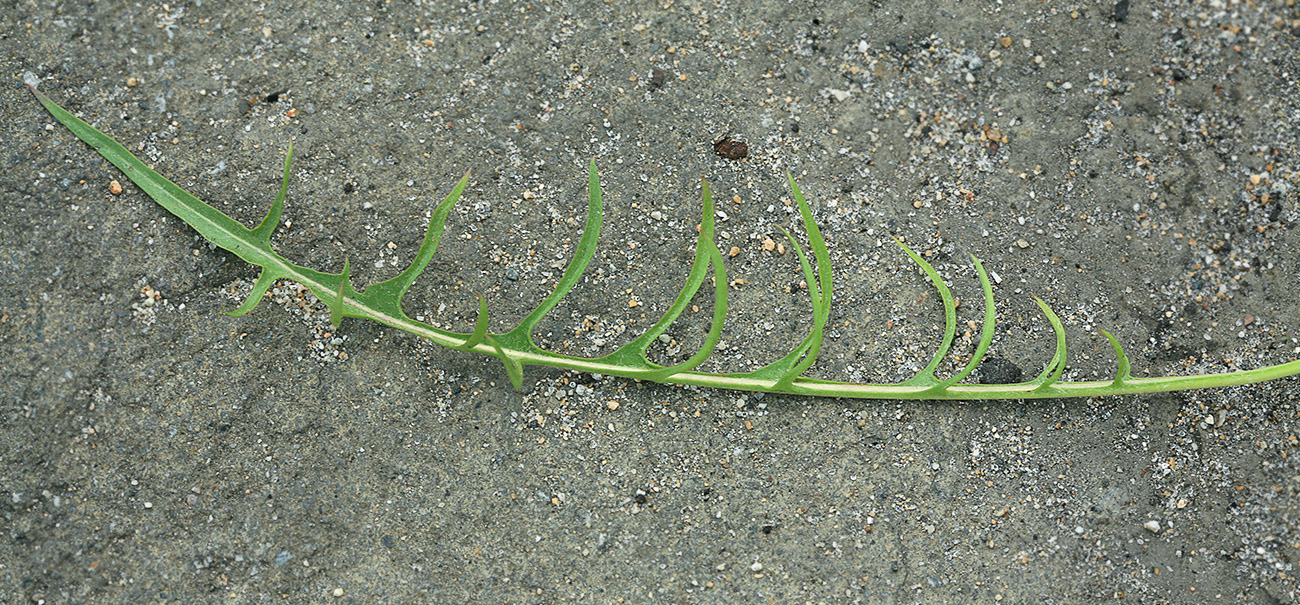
[{"x": 1134, "y": 164}]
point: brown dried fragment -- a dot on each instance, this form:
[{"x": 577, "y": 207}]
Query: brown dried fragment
[
  {"x": 115, "y": 188},
  {"x": 730, "y": 148},
  {"x": 657, "y": 78}
]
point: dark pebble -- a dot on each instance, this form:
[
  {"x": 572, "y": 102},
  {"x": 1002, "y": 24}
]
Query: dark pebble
[
  {"x": 730, "y": 148},
  {"x": 1121, "y": 11}
]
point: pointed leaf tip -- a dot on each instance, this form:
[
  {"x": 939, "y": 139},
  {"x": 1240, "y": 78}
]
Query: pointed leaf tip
[
  {"x": 514, "y": 369},
  {"x": 264, "y": 283},
  {"x": 1052, "y": 373},
  {"x": 263, "y": 231},
  {"x": 926, "y": 375},
  {"x": 1122, "y": 370},
  {"x": 480, "y": 326},
  {"x": 522, "y": 334},
  {"x": 986, "y": 333}
]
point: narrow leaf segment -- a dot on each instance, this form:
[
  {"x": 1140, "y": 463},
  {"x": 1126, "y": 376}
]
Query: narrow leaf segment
[{"x": 382, "y": 302}]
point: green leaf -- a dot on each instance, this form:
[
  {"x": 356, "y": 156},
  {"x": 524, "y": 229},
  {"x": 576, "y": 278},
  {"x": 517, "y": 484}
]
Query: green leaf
[
  {"x": 480, "y": 326},
  {"x": 719, "y": 296},
  {"x": 633, "y": 354},
  {"x": 387, "y": 295},
  {"x": 926, "y": 376},
  {"x": 264, "y": 230},
  {"x": 1054, "y": 368},
  {"x": 986, "y": 333},
  {"x": 214, "y": 226},
  {"x": 1122, "y": 374},
  {"x": 522, "y": 336},
  {"x": 802, "y": 357},
  {"x": 381, "y": 302},
  {"x": 264, "y": 283}
]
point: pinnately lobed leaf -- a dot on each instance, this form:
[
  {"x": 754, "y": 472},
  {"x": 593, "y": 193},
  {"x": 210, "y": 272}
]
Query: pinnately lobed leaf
[{"x": 382, "y": 302}]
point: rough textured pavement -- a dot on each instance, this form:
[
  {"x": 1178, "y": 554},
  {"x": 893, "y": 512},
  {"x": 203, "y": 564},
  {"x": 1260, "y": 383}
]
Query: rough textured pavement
[{"x": 1135, "y": 164}]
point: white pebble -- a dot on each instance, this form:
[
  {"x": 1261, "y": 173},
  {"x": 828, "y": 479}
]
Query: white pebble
[{"x": 1152, "y": 526}]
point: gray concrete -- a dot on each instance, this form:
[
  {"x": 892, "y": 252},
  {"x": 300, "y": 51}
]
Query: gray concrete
[{"x": 1135, "y": 166}]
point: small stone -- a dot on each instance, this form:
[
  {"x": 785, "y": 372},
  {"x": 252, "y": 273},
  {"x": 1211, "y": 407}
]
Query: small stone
[
  {"x": 769, "y": 245},
  {"x": 1152, "y": 526},
  {"x": 633, "y": 303},
  {"x": 756, "y": 566},
  {"x": 733, "y": 251},
  {"x": 115, "y": 188},
  {"x": 148, "y": 504},
  {"x": 1005, "y": 42},
  {"x": 1022, "y": 243},
  {"x": 730, "y": 148},
  {"x": 613, "y": 405},
  {"x": 1121, "y": 11},
  {"x": 132, "y": 82},
  {"x": 338, "y": 592}
]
